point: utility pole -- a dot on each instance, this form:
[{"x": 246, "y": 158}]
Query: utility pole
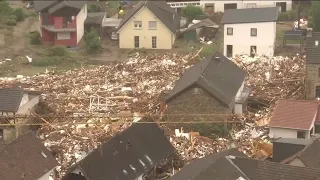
[{"x": 299, "y": 15}]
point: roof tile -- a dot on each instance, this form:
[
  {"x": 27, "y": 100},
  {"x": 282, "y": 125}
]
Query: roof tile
[{"x": 294, "y": 114}]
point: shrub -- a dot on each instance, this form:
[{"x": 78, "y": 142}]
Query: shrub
[
  {"x": 288, "y": 16},
  {"x": 94, "y": 8},
  {"x": 52, "y": 61},
  {"x": 58, "y": 51},
  {"x": 92, "y": 41},
  {"x": 35, "y": 38},
  {"x": 208, "y": 50},
  {"x": 11, "y": 22},
  {"x": 20, "y": 15}
]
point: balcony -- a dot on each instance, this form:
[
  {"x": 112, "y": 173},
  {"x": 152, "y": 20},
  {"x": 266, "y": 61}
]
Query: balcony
[
  {"x": 183, "y": 4},
  {"x": 51, "y": 28}
]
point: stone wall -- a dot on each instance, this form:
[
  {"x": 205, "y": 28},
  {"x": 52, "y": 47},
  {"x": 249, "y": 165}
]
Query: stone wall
[
  {"x": 195, "y": 103},
  {"x": 312, "y": 80}
]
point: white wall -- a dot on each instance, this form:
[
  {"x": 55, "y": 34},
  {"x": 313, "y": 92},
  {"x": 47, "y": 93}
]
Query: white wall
[
  {"x": 25, "y": 99},
  {"x": 26, "y": 108},
  {"x": 240, "y": 90},
  {"x": 241, "y": 39},
  {"x": 276, "y": 132},
  {"x": 219, "y": 5},
  {"x": 81, "y": 17},
  {"x": 238, "y": 109},
  {"x": 46, "y": 176}
]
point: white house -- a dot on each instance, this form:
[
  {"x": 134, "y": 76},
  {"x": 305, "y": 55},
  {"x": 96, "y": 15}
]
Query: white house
[
  {"x": 294, "y": 119},
  {"x": 221, "y": 6},
  {"x": 249, "y": 31}
]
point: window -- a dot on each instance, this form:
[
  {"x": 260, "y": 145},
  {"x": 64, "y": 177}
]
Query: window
[
  {"x": 136, "y": 41},
  {"x": 254, "y": 32},
  {"x": 301, "y": 134},
  {"x": 253, "y": 51},
  {"x": 137, "y": 24},
  {"x": 317, "y": 129},
  {"x": 152, "y": 24},
  {"x": 229, "y": 31},
  {"x": 317, "y": 91},
  {"x": 154, "y": 42},
  {"x": 196, "y": 91}
]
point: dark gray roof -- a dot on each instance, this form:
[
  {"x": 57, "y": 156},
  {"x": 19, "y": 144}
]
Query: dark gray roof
[
  {"x": 294, "y": 141},
  {"x": 285, "y": 148},
  {"x": 312, "y": 51},
  {"x": 95, "y": 18},
  {"x": 198, "y": 168},
  {"x": 221, "y": 79},
  {"x": 160, "y": 9},
  {"x": 266, "y": 170},
  {"x": 55, "y": 5},
  {"x": 26, "y": 156},
  {"x": 10, "y": 99},
  {"x": 310, "y": 156},
  {"x": 250, "y": 15},
  {"x": 141, "y": 146}
]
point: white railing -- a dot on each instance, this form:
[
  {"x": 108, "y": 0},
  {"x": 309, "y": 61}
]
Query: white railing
[{"x": 183, "y": 4}]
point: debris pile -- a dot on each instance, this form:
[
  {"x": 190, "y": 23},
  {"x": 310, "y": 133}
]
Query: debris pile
[
  {"x": 137, "y": 86},
  {"x": 273, "y": 78}
]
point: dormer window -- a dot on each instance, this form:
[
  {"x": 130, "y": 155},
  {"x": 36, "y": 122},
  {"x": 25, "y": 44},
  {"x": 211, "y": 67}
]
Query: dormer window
[{"x": 316, "y": 43}]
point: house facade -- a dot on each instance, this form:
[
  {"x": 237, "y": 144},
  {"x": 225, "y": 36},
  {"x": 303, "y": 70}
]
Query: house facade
[
  {"x": 251, "y": 36},
  {"x": 61, "y": 22},
  {"x": 192, "y": 95},
  {"x": 150, "y": 25},
  {"x": 312, "y": 82}
]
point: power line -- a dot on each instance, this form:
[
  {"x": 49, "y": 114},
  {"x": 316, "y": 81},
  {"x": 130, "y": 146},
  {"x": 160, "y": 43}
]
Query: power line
[
  {"x": 106, "y": 123},
  {"x": 116, "y": 116}
]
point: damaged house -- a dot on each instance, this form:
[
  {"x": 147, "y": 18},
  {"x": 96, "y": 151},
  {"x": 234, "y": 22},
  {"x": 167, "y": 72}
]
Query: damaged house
[
  {"x": 15, "y": 101},
  {"x": 128, "y": 155},
  {"x": 26, "y": 158},
  {"x": 214, "y": 85}
]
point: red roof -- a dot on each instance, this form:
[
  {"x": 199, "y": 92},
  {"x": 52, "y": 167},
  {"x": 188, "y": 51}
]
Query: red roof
[{"x": 294, "y": 114}]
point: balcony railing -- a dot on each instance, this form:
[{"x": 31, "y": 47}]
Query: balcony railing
[
  {"x": 183, "y": 4},
  {"x": 51, "y": 28}
]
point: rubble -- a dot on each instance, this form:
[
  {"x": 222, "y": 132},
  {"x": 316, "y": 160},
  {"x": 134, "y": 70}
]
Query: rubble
[{"x": 137, "y": 86}]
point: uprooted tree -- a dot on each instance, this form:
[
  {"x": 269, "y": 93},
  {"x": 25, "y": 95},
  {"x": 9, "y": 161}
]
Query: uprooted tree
[{"x": 191, "y": 12}]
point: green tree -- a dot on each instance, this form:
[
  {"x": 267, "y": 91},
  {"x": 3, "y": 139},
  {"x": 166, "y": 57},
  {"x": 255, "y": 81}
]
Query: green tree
[
  {"x": 20, "y": 16},
  {"x": 94, "y": 8},
  {"x": 191, "y": 12},
  {"x": 316, "y": 16},
  {"x": 92, "y": 41}
]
